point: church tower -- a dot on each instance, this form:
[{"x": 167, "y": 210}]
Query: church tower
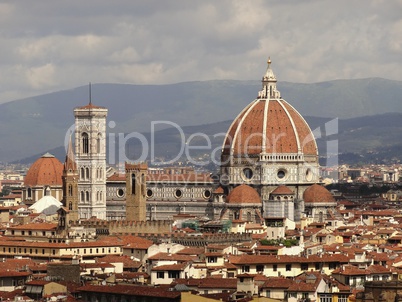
[
  {"x": 90, "y": 151},
  {"x": 70, "y": 184},
  {"x": 136, "y": 177}
]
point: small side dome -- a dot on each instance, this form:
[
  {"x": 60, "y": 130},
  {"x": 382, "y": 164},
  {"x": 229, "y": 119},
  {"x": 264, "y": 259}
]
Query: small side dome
[
  {"x": 244, "y": 194},
  {"x": 219, "y": 190},
  {"x": 46, "y": 170},
  {"x": 282, "y": 190},
  {"x": 317, "y": 193}
]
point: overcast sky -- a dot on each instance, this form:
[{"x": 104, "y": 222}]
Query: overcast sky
[{"x": 55, "y": 45}]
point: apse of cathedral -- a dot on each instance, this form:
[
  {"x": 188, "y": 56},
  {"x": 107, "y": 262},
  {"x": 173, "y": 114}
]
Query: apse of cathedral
[{"x": 269, "y": 168}]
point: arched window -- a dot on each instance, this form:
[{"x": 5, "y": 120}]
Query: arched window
[
  {"x": 86, "y": 196},
  {"x": 70, "y": 190},
  {"x": 86, "y": 173},
  {"x": 236, "y": 215},
  {"x": 82, "y": 196},
  {"x": 70, "y": 206},
  {"x": 321, "y": 217},
  {"x": 46, "y": 191},
  {"x": 85, "y": 143},
  {"x": 82, "y": 174}
]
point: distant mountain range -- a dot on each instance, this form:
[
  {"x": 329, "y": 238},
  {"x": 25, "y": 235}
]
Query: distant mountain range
[
  {"x": 38, "y": 124},
  {"x": 371, "y": 139}
]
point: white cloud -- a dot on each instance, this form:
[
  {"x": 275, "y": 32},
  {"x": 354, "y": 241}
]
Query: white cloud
[
  {"x": 52, "y": 45},
  {"x": 41, "y": 77}
]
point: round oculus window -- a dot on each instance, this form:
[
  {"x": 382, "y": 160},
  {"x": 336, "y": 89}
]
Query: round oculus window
[
  {"x": 178, "y": 193},
  {"x": 120, "y": 192},
  {"x": 207, "y": 194},
  {"x": 281, "y": 174},
  {"x": 248, "y": 173},
  {"x": 149, "y": 193}
]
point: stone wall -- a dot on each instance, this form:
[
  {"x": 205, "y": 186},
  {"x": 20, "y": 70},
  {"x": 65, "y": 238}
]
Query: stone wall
[
  {"x": 126, "y": 227},
  {"x": 64, "y": 271}
]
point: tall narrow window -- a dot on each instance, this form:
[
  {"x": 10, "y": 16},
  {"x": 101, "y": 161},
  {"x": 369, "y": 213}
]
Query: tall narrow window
[
  {"x": 85, "y": 143},
  {"x": 86, "y": 196},
  {"x": 98, "y": 143},
  {"x": 133, "y": 183},
  {"x": 82, "y": 196},
  {"x": 86, "y": 173},
  {"x": 29, "y": 192},
  {"x": 70, "y": 206},
  {"x": 82, "y": 174},
  {"x": 70, "y": 190}
]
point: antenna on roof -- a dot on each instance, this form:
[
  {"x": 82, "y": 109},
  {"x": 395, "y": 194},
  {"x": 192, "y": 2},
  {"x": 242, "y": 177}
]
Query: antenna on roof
[{"x": 90, "y": 96}]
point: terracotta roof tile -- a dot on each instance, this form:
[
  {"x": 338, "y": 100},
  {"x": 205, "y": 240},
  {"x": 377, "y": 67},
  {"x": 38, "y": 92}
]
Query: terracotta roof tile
[
  {"x": 130, "y": 290},
  {"x": 317, "y": 193},
  {"x": 47, "y": 170},
  {"x": 244, "y": 194},
  {"x": 245, "y": 135},
  {"x": 224, "y": 283},
  {"x": 170, "y": 267},
  {"x": 282, "y": 190}
]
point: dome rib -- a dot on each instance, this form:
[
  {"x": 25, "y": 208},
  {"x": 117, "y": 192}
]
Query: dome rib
[
  {"x": 264, "y": 129},
  {"x": 227, "y": 142},
  {"x": 309, "y": 146},
  {"x": 293, "y": 125},
  {"x": 240, "y": 126}
]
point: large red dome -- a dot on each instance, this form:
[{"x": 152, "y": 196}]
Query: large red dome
[
  {"x": 269, "y": 126},
  {"x": 46, "y": 170}
]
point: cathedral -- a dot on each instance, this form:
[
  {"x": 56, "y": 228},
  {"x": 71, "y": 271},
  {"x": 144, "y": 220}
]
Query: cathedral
[{"x": 269, "y": 168}]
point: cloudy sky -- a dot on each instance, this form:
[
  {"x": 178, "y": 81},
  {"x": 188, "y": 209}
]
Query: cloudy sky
[{"x": 49, "y": 45}]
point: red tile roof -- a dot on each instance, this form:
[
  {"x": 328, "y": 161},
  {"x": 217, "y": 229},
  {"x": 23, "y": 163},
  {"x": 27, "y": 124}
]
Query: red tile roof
[
  {"x": 317, "y": 193},
  {"x": 130, "y": 290},
  {"x": 172, "y": 257},
  {"x": 43, "y": 226},
  {"x": 224, "y": 283},
  {"x": 282, "y": 190},
  {"x": 244, "y": 194},
  {"x": 136, "y": 242},
  {"x": 170, "y": 267}
]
